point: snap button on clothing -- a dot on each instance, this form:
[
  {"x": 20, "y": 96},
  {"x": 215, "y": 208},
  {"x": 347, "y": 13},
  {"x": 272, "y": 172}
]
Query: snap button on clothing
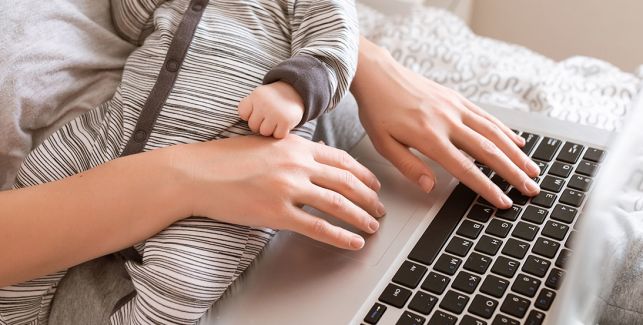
[
  {"x": 140, "y": 136},
  {"x": 172, "y": 66},
  {"x": 197, "y": 7}
]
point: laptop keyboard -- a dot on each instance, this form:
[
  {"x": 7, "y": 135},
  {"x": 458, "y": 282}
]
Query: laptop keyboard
[{"x": 476, "y": 264}]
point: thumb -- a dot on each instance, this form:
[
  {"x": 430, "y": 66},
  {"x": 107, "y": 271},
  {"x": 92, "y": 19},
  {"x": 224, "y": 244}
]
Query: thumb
[{"x": 245, "y": 108}]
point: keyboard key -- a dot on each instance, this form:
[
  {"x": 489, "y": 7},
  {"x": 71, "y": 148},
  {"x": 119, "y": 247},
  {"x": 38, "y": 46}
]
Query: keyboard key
[
  {"x": 485, "y": 170},
  {"x": 555, "y": 230},
  {"x": 534, "y": 214},
  {"x": 552, "y": 184},
  {"x": 442, "y": 318},
  {"x": 495, "y": 286},
  {"x": 477, "y": 263},
  {"x": 409, "y": 274},
  {"x": 560, "y": 169},
  {"x": 530, "y": 142},
  {"x": 483, "y": 306},
  {"x": 395, "y": 295},
  {"x": 500, "y": 182},
  {"x": 505, "y": 266},
  {"x": 593, "y": 154},
  {"x": 517, "y": 197},
  {"x": 564, "y": 213},
  {"x": 515, "y": 306},
  {"x": 375, "y": 313},
  {"x": 459, "y": 246},
  {"x": 537, "y": 266},
  {"x": 480, "y": 213},
  {"x": 546, "y": 247},
  {"x": 546, "y": 149},
  {"x": 498, "y": 228},
  {"x": 555, "y": 278},
  {"x": 469, "y": 229},
  {"x": 572, "y": 197},
  {"x": 569, "y": 243},
  {"x": 544, "y": 199},
  {"x": 535, "y": 318},
  {"x": 570, "y": 152},
  {"x": 542, "y": 166},
  {"x": 525, "y": 231},
  {"x": 454, "y": 302},
  {"x": 510, "y": 214},
  {"x": 504, "y": 320},
  {"x": 587, "y": 168},
  {"x": 488, "y": 245},
  {"x": 515, "y": 248},
  {"x": 579, "y": 182},
  {"x": 423, "y": 302},
  {"x": 470, "y": 320},
  {"x": 545, "y": 298},
  {"x": 447, "y": 264},
  {"x": 439, "y": 231},
  {"x": 466, "y": 282},
  {"x": 525, "y": 285},
  {"x": 435, "y": 283},
  {"x": 563, "y": 258},
  {"x": 409, "y": 318}
]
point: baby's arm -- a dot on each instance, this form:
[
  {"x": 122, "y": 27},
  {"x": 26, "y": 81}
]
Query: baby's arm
[{"x": 324, "y": 58}]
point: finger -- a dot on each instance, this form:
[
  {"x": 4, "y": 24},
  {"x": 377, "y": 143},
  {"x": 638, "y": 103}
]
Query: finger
[
  {"x": 245, "y": 108},
  {"x": 348, "y": 185},
  {"x": 488, "y": 153},
  {"x": 340, "y": 159},
  {"x": 520, "y": 141},
  {"x": 462, "y": 168},
  {"x": 339, "y": 207},
  {"x": 408, "y": 164},
  {"x": 322, "y": 231},
  {"x": 267, "y": 127},
  {"x": 255, "y": 122},
  {"x": 281, "y": 131},
  {"x": 492, "y": 132}
]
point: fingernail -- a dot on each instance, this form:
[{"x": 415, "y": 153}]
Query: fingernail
[
  {"x": 373, "y": 225},
  {"x": 381, "y": 211},
  {"x": 533, "y": 168},
  {"x": 522, "y": 140},
  {"x": 531, "y": 187},
  {"x": 378, "y": 185},
  {"x": 426, "y": 183},
  {"x": 506, "y": 200},
  {"x": 357, "y": 242}
]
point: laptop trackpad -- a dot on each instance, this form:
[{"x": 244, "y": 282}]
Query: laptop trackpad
[{"x": 402, "y": 200}]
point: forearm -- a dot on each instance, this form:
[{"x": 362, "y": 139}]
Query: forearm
[{"x": 50, "y": 227}]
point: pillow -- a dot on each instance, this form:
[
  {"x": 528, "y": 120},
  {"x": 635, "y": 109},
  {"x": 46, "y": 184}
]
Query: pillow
[{"x": 59, "y": 59}]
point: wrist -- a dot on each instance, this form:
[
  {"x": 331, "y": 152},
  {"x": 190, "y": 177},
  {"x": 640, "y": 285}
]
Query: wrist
[
  {"x": 373, "y": 63},
  {"x": 168, "y": 186}
]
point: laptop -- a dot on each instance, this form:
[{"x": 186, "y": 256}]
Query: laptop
[{"x": 448, "y": 257}]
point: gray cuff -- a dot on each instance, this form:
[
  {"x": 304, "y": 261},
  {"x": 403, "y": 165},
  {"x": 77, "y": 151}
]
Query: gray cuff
[{"x": 310, "y": 79}]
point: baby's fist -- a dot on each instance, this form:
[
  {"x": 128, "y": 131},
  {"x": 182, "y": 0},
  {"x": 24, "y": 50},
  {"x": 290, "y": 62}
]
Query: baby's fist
[{"x": 272, "y": 110}]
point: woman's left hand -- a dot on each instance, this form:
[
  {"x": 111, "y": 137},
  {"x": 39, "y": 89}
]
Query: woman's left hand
[{"x": 401, "y": 110}]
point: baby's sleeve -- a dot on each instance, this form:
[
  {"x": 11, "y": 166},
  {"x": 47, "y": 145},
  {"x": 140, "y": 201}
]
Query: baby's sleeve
[
  {"x": 324, "y": 43},
  {"x": 133, "y": 18}
]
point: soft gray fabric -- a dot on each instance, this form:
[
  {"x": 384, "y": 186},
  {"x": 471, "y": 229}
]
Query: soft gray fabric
[
  {"x": 89, "y": 292},
  {"x": 58, "y": 58}
]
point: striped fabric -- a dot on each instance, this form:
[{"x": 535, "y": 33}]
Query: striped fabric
[{"x": 189, "y": 265}]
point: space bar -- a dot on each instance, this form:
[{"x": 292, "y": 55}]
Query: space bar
[{"x": 440, "y": 229}]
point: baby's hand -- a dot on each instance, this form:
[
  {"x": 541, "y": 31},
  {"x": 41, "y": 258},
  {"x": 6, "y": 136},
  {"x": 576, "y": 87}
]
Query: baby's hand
[{"x": 272, "y": 110}]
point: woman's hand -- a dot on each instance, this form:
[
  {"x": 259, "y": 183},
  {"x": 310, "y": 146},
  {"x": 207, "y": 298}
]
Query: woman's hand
[
  {"x": 258, "y": 181},
  {"x": 401, "y": 109},
  {"x": 255, "y": 181}
]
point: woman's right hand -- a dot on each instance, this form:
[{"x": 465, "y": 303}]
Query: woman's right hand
[{"x": 259, "y": 181}]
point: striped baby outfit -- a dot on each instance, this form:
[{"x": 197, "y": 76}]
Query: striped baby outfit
[{"x": 195, "y": 61}]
